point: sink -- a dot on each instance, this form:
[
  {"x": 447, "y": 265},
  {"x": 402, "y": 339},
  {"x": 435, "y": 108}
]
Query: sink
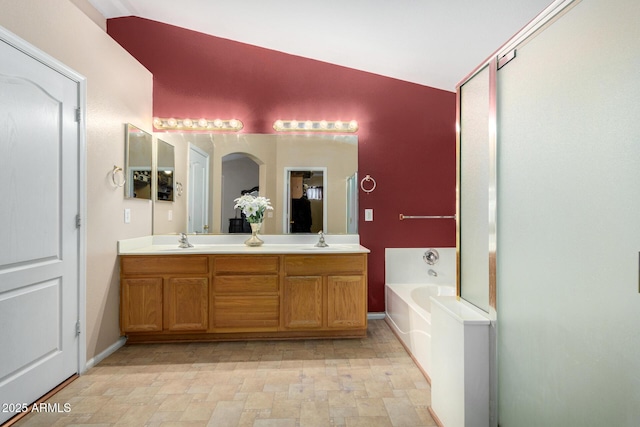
[{"x": 327, "y": 248}]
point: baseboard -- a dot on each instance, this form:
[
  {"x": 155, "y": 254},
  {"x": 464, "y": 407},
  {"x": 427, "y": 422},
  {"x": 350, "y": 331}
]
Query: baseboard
[
  {"x": 375, "y": 316},
  {"x": 434, "y": 416},
  {"x": 106, "y": 353}
]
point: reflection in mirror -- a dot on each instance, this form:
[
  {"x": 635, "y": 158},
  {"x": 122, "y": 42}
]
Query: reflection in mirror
[
  {"x": 272, "y": 153},
  {"x": 165, "y": 171},
  {"x": 138, "y": 163},
  {"x": 198, "y": 191},
  {"x": 240, "y": 175},
  {"x": 305, "y": 203}
]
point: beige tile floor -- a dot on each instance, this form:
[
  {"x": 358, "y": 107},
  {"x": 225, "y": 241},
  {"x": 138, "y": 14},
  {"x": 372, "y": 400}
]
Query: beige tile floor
[{"x": 327, "y": 383}]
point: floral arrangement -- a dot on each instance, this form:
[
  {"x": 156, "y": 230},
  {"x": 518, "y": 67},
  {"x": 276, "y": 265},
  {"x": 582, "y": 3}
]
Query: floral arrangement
[{"x": 253, "y": 207}]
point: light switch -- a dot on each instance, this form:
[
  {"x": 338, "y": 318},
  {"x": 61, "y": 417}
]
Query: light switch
[
  {"x": 170, "y": 215},
  {"x": 127, "y": 216},
  {"x": 368, "y": 214}
]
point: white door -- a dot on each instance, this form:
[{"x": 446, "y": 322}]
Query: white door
[
  {"x": 198, "y": 191},
  {"x": 39, "y": 149}
]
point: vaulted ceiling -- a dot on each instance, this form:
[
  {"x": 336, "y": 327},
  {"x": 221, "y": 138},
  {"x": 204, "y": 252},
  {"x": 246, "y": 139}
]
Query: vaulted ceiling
[{"x": 430, "y": 42}]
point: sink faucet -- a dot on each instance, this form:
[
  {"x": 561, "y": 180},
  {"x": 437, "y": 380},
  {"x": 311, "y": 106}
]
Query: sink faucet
[
  {"x": 184, "y": 241},
  {"x": 321, "y": 243}
]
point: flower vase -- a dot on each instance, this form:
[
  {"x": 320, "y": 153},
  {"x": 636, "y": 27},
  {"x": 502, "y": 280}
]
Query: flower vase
[{"x": 254, "y": 240}]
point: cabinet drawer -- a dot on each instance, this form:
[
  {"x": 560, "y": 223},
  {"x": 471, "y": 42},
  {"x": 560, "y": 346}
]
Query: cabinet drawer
[
  {"x": 246, "y": 312},
  {"x": 245, "y": 284},
  {"x": 180, "y": 264},
  {"x": 246, "y": 264},
  {"x": 307, "y": 265}
]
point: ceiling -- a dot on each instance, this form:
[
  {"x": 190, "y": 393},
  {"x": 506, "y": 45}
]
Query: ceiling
[{"x": 430, "y": 42}]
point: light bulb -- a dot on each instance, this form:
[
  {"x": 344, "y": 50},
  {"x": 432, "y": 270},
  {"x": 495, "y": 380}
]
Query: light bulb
[
  {"x": 172, "y": 122},
  {"x": 217, "y": 123},
  {"x": 203, "y": 123},
  {"x": 324, "y": 124},
  {"x": 187, "y": 122}
]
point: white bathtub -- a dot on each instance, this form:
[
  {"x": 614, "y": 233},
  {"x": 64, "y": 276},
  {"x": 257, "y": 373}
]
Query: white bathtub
[
  {"x": 408, "y": 312},
  {"x": 408, "y": 290}
]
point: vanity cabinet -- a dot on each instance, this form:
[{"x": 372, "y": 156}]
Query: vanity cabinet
[
  {"x": 210, "y": 297},
  {"x": 164, "y": 293},
  {"x": 325, "y": 292}
]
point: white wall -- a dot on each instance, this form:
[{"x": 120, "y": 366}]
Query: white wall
[
  {"x": 119, "y": 90},
  {"x": 569, "y": 224}
]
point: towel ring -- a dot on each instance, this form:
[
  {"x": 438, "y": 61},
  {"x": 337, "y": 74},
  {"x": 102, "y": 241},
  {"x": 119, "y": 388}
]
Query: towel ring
[
  {"x": 114, "y": 174},
  {"x": 368, "y": 178}
]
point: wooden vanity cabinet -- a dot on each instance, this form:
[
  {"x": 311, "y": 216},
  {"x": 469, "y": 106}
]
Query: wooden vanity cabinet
[
  {"x": 164, "y": 293},
  {"x": 325, "y": 292},
  {"x": 210, "y": 297}
]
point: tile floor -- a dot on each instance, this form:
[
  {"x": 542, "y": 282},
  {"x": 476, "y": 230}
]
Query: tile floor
[{"x": 327, "y": 383}]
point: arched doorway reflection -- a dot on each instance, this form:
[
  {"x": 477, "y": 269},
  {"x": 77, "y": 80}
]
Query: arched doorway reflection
[{"x": 240, "y": 172}]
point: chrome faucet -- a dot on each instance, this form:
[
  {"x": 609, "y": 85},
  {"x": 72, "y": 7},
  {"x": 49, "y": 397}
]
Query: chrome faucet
[
  {"x": 321, "y": 243},
  {"x": 184, "y": 241},
  {"x": 432, "y": 272}
]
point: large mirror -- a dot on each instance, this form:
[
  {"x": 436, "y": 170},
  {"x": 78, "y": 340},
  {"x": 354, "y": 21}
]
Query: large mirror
[
  {"x": 221, "y": 167},
  {"x": 165, "y": 171},
  {"x": 138, "y": 160}
]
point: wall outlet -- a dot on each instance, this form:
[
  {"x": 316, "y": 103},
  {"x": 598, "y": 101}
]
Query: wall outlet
[
  {"x": 127, "y": 216},
  {"x": 368, "y": 214},
  {"x": 170, "y": 215}
]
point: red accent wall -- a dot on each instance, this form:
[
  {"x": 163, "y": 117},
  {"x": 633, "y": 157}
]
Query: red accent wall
[{"x": 406, "y": 131}]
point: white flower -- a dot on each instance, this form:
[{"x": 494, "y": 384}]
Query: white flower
[{"x": 253, "y": 207}]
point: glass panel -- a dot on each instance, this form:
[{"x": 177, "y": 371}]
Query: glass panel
[{"x": 474, "y": 190}]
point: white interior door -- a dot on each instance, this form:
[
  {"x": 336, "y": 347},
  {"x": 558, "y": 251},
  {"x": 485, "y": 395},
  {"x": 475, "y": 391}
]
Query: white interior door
[
  {"x": 39, "y": 280},
  {"x": 198, "y": 190}
]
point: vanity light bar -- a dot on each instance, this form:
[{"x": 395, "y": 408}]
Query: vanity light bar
[
  {"x": 315, "y": 126},
  {"x": 233, "y": 125}
]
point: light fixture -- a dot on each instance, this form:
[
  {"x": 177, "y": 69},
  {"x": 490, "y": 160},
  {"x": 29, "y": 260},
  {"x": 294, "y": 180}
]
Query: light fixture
[
  {"x": 281, "y": 125},
  {"x": 230, "y": 125}
]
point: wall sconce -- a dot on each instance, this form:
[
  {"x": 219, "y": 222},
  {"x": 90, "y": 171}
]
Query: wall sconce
[
  {"x": 232, "y": 125},
  {"x": 315, "y": 126}
]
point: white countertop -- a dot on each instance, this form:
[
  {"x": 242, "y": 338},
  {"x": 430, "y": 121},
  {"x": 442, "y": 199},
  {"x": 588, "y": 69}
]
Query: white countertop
[{"x": 234, "y": 244}]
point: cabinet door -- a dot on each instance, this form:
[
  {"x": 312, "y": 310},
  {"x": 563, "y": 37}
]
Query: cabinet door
[
  {"x": 346, "y": 302},
  {"x": 141, "y": 309},
  {"x": 302, "y": 302},
  {"x": 187, "y": 304}
]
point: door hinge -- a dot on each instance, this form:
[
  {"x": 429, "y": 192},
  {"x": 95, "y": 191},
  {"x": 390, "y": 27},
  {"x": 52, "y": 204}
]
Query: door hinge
[
  {"x": 78, "y": 221},
  {"x": 78, "y": 114},
  {"x": 78, "y": 328}
]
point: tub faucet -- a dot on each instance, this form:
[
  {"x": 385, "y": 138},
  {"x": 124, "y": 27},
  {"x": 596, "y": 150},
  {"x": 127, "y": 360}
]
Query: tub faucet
[
  {"x": 321, "y": 243},
  {"x": 183, "y": 241},
  {"x": 432, "y": 272}
]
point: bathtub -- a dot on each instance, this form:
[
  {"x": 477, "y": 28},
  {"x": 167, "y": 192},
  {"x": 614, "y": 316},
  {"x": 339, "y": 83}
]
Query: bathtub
[
  {"x": 409, "y": 287},
  {"x": 408, "y": 312}
]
